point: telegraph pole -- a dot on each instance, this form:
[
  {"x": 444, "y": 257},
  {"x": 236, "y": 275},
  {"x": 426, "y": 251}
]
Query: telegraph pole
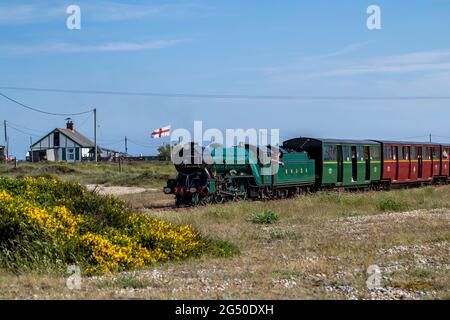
[
  {"x": 6, "y": 139},
  {"x": 430, "y": 137},
  {"x": 95, "y": 134},
  {"x": 31, "y": 149},
  {"x": 126, "y": 145}
]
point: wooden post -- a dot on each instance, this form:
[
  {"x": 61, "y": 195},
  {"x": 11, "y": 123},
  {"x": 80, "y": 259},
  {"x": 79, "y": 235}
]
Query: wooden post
[
  {"x": 120, "y": 164},
  {"x": 95, "y": 134},
  {"x": 6, "y": 140}
]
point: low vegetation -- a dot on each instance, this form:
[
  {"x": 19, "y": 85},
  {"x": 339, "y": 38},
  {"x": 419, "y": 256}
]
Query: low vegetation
[
  {"x": 312, "y": 247},
  {"x": 46, "y": 224},
  {"x": 264, "y": 217},
  {"x": 147, "y": 174}
]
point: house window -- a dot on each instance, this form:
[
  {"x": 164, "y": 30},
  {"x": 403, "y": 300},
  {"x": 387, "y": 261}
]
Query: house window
[{"x": 56, "y": 139}]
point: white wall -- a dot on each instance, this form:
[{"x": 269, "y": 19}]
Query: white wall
[{"x": 48, "y": 142}]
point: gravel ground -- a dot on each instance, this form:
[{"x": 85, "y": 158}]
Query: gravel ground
[{"x": 116, "y": 191}]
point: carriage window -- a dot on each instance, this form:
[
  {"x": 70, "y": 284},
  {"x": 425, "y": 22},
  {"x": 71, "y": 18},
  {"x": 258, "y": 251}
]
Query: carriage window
[
  {"x": 435, "y": 153},
  {"x": 400, "y": 154},
  {"x": 445, "y": 154},
  {"x": 413, "y": 153},
  {"x": 387, "y": 153},
  {"x": 426, "y": 153},
  {"x": 347, "y": 152},
  {"x": 366, "y": 153},
  {"x": 374, "y": 153},
  {"x": 405, "y": 153},
  {"x": 360, "y": 153},
  {"x": 330, "y": 153},
  {"x": 394, "y": 153}
]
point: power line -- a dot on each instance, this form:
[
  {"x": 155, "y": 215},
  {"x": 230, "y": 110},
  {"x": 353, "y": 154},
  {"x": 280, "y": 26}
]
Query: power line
[
  {"x": 19, "y": 130},
  {"x": 26, "y": 128},
  {"x": 227, "y": 96},
  {"x": 42, "y": 111}
]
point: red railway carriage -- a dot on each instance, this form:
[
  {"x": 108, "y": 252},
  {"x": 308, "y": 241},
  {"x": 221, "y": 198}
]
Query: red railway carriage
[{"x": 411, "y": 162}]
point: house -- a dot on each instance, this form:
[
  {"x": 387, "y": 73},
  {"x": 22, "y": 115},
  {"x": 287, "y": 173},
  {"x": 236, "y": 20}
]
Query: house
[{"x": 63, "y": 144}]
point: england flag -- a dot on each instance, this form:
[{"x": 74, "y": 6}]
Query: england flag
[{"x": 161, "y": 132}]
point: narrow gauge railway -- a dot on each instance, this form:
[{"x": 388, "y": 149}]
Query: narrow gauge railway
[{"x": 304, "y": 165}]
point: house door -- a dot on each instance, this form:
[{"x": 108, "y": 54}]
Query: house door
[{"x": 70, "y": 154}]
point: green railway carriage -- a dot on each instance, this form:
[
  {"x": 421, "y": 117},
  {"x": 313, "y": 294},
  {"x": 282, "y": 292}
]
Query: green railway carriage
[
  {"x": 341, "y": 163},
  {"x": 283, "y": 169}
]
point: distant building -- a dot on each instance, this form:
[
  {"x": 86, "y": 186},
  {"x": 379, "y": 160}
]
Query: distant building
[
  {"x": 62, "y": 144},
  {"x": 2, "y": 153},
  {"x": 109, "y": 154},
  {"x": 67, "y": 144}
]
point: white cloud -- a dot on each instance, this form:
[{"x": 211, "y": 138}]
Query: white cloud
[
  {"x": 104, "y": 11},
  {"x": 63, "y": 47},
  {"x": 426, "y": 61},
  {"x": 347, "y": 49},
  {"x": 11, "y": 14},
  {"x": 113, "y": 11}
]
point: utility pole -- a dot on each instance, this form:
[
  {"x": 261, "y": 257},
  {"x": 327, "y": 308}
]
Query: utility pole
[
  {"x": 6, "y": 139},
  {"x": 95, "y": 134},
  {"x": 430, "y": 137},
  {"x": 126, "y": 145},
  {"x": 31, "y": 149}
]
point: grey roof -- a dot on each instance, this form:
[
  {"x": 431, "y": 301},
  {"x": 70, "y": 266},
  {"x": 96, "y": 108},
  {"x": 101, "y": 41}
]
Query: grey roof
[
  {"x": 339, "y": 141},
  {"x": 409, "y": 142},
  {"x": 77, "y": 137}
]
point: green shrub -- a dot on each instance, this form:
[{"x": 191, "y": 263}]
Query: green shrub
[
  {"x": 221, "y": 248},
  {"x": 392, "y": 205},
  {"x": 124, "y": 282},
  {"x": 265, "y": 217},
  {"x": 279, "y": 234}
]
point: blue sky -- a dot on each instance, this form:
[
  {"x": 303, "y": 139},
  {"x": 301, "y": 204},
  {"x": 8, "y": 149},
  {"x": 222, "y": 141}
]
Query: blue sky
[{"x": 302, "y": 48}]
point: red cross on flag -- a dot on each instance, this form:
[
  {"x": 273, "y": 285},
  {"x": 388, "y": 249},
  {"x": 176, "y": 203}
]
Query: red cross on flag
[{"x": 161, "y": 132}]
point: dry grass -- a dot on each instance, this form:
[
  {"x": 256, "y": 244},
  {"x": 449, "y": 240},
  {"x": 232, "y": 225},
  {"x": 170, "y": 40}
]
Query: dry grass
[
  {"x": 320, "y": 248},
  {"x": 147, "y": 174}
]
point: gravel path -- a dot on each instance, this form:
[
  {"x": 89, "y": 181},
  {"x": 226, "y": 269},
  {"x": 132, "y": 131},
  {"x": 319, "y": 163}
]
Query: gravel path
[{"x": 116, "y": 191}]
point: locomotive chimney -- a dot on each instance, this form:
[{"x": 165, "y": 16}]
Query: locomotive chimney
[{"x": 69, "y": 124}]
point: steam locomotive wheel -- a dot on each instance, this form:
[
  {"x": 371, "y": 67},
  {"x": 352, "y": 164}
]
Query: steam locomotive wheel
[{"x": 219, "y": 199}]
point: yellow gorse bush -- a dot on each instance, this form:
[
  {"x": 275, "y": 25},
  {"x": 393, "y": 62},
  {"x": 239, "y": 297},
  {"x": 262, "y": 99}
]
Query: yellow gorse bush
[
  {"x": 141, "y": 241},
  {"x": 57, "y": 220}
]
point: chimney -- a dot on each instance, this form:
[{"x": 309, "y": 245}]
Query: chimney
[{"x": 69, "y": 124}]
